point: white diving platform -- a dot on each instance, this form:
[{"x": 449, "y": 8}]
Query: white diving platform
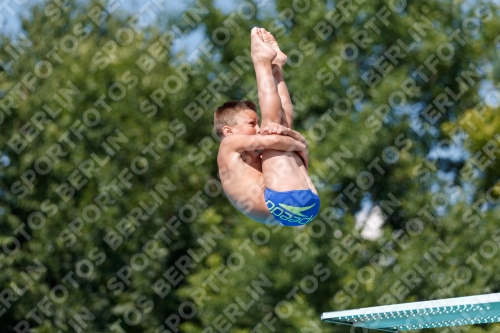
[{"x": 457, "y": 311}]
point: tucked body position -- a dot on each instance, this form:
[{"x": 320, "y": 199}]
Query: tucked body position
[{"x": 263, "y": 168}]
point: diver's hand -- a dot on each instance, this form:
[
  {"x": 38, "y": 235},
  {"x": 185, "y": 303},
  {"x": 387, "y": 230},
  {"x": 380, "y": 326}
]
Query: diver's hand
[{"x": 275, "y": 128}]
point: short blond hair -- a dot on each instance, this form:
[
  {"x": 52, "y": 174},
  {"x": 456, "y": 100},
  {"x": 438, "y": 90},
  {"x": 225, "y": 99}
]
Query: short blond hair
[{"x": 227, "y": 113}]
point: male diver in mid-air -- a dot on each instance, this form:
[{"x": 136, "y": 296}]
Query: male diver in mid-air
[{"x": 263, "y": 168}]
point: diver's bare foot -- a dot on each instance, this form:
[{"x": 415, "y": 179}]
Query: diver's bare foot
[
  {"x": 260, "y": 51},
  {"x": 269, "y": 39}
]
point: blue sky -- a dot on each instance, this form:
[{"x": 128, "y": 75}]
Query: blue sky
[{"x": 12, "y": 23}]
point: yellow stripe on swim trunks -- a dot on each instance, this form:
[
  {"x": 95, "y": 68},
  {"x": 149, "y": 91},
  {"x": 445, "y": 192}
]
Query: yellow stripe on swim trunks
[{"x": 296, "y": 210}]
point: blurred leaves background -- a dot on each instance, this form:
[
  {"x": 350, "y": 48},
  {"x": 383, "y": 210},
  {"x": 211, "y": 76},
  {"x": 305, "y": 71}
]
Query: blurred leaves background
[{"x": 409, "y": 191}]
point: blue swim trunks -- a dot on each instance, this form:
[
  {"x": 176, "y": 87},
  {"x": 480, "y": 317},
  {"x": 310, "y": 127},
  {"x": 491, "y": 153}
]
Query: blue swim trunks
[{"x": 292, "y": 208}]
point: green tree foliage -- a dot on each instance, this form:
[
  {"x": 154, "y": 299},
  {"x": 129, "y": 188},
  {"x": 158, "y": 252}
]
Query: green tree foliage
[{"x": 112, "y": 215}]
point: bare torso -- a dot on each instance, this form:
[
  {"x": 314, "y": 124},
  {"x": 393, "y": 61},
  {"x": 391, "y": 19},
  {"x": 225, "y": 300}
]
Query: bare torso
[{"x": 243, "y": 182}]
